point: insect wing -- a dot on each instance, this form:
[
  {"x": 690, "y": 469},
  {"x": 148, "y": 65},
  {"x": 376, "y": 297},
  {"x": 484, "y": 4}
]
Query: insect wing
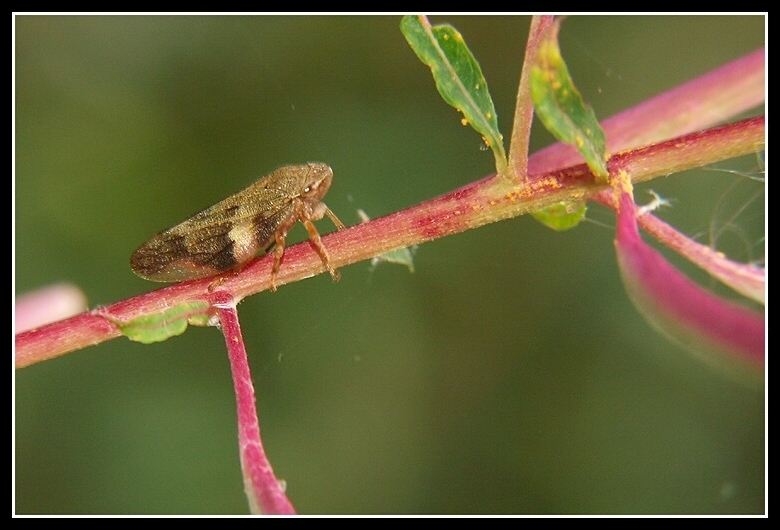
[{"x": 215, "y": 240}]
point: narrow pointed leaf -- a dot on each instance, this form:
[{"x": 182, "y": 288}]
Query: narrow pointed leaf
[
  {"x": 559, "y": 104},
  {"x": 458, "y": 78},
  {"x": 722, "y": 332}
]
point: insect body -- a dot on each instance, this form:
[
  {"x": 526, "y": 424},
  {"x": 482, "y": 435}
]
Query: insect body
[{"x": 229, "y": 234}]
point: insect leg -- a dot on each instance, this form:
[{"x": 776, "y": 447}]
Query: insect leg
[
  {"x": 314, "y": 237},
  {"x": 278, "y": 255},
  {"x": 333, "y": 218}
]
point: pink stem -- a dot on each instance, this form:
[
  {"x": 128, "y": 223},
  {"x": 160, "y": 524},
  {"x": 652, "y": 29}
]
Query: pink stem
[{"x": 263, "y": 490}]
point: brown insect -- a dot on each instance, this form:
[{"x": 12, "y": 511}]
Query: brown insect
[{"x": 227, "y": 235}]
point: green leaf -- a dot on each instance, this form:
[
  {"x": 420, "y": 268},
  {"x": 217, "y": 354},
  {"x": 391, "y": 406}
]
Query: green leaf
[
  {"x": 458, "y": 78},
  {"x": 401, "y": 256},
  {"x": 169, "y": 323},
  {"x": 559, "y": 104},
  {"x": 561, "y": 216}
]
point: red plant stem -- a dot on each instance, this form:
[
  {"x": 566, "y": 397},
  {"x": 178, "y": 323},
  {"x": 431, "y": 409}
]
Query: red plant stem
[
  {"x": 479, "y": 203},
  {"x": 524, "y": 109},
  {"x": 263, "y": 490}
]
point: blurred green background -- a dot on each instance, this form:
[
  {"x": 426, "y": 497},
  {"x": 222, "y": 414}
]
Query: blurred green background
[{"x": 508, "y": 374}]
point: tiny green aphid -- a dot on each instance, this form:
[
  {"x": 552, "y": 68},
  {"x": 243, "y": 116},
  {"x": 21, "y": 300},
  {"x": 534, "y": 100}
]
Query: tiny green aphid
[{"x": 229, "y": 234}]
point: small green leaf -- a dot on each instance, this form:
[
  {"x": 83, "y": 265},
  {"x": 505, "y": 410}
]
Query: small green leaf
[
  {"x": 561, "y": 216},
  {"x": 559, "y": 104},
  {"x": 458, "y": 78},
  {"x": 401, "y": 256},
  {"x": 169, "y": 323}
]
